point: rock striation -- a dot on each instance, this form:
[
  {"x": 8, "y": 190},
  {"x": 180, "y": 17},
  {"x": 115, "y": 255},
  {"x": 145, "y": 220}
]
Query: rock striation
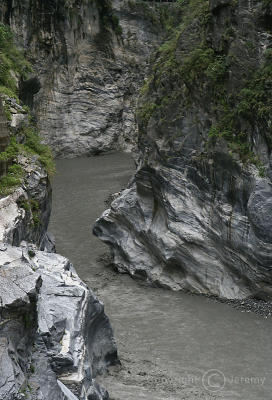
[
  {"x": 54, "y": 335},
  {"x": 197, "y": 215},
  {"x": 90, "y": 58}
]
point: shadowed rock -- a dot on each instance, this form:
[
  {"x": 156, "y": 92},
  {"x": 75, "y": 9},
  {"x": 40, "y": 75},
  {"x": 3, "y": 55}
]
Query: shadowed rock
[{"x": 4, "y": 137}]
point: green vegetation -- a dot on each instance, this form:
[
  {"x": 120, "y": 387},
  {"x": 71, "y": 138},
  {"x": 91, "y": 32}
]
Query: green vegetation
[
  {"x": 8, "y": 92},
  {"x": 161, "y": 16},
  {"x": 189, "y": 72},
  {"x": 33, "y": 145},
  {"x": 12, "y": 179},
  {"x": 35, "y": 208},
  {"x": 24, "y": 203},
  {"x": 28, "y": 204},
  {"x": 108, "y": 22},
  {"x": 32, "y": 368},
  {"x": 266, "y": 3},
  {"x": 240, "y": 113},
  {"x": 108, "y": 19},
  {"x": 183, "y": 68},
  {"x": 15, "y": 173},
  {"x": 146, "y": 110},
  {"x": 12, "y": 63},
  {"x": 116, "y": 25},
  {"x": 14, "y": 66},
  {"x": 11, "y": 151},
  {"x": 31, "y": 254},
  {"x": 36, "y": 219},
  {"x": 255, "y": 100}
]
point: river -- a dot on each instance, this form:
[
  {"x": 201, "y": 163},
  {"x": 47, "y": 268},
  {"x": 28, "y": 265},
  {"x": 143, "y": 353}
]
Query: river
[{"x": 172, "y": 346}]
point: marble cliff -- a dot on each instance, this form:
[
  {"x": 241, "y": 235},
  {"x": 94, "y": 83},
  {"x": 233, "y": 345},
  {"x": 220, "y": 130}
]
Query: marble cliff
[
  {"x": 197, "y": 215},
  {"x": 54, "y": 335},
  {"x": 89, "y": 61},
  {"x": 187, "y": 86}
]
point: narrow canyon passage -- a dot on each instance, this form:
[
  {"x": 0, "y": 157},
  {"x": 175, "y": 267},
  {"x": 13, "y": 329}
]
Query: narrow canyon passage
[{"x": 168, "y": 342}]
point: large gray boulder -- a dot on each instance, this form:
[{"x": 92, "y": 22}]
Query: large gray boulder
[{"x": 54, "y": 335}]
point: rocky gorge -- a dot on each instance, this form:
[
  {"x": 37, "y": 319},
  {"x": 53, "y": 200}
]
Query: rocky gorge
[
  {"x": 54, "y": 333},
  {"x": 196, "y": 216},
  {"x": 76, "y": 88},
  {"x": 89, "y": 60},
  {"x": 186, "y": 87}
]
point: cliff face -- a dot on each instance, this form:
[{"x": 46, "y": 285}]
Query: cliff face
[
  {"x": 54, "y": 335},
  {"x": 25, "y": 213},
  {"x": 197, "y": 215},
  {"x": 25, "y": 190},
  {"x": 88, "y": 66}
]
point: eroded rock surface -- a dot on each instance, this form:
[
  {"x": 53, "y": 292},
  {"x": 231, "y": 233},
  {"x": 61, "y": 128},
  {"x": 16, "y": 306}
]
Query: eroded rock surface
[
  {"x": 197, "y": 215},
  {"x": 55, "y": 337},
  {"x": 87, "y": 71},
  {"x": 25, "y": 213}
]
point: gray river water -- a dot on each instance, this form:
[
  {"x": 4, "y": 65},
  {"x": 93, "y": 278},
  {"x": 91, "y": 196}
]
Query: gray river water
[{"x": 172, "y": 346}]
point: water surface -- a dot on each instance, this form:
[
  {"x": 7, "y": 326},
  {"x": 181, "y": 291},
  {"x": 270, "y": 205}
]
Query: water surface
[{"x": 172, "y": 346}]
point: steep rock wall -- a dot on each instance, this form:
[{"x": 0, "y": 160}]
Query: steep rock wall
[
  {"x": 54, "y": 335},
  {"x": 25, "y": 207},
  {"x": 20, "y": 221},
  {"x": 197, "y": 215},
  {"x": 88, "y": 68}
]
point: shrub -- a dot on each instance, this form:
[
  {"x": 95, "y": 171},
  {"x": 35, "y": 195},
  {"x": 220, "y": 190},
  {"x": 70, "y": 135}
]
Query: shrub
[
  {"x": 13, "y": 66},
  {"x": 12, "y": 179},
  {"x": 11, "y": 151},
  {"x": 33, "y": 144},
  {"x": 12, "y": 62}
]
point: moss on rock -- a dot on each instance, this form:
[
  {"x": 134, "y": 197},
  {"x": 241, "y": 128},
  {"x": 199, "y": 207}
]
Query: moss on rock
[
  {"x": 207, "y": 63},
  {"x": 25, "y": 139}
]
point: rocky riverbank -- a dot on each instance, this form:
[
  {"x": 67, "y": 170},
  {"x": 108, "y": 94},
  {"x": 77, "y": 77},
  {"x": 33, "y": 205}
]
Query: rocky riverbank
[
  {"x": 55, "y": 336},
  {"x": 197, "y": 215},
  {"x": 262, "y": 307},
  {"x": 192, "y": 334}
]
